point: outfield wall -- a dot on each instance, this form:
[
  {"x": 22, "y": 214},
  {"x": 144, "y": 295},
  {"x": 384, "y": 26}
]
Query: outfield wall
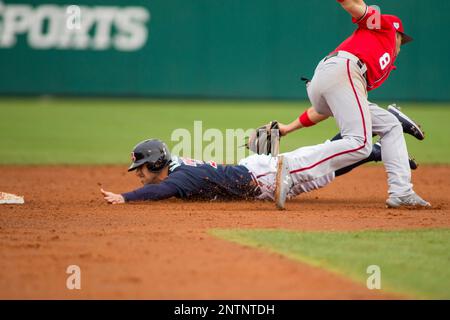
[{"x": 204, "y": 48}]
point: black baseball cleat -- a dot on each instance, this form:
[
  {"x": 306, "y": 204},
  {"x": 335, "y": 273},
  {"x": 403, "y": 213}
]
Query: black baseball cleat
[
  {"x": 413, "y": 164},
  {"x": 376, "y": 153},
  {"x": 409, "y": 125}
]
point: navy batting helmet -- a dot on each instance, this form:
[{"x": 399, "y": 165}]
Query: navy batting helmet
[{"x": 152, "y": 152}]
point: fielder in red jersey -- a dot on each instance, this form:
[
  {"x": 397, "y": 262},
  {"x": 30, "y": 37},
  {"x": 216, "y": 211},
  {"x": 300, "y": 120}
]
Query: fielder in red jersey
[
  {"x": 339, "y": 89},
  {"x": 375, "y": 43}
]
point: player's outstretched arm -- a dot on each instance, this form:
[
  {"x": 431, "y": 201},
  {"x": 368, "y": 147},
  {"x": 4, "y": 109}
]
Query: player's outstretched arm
[
  {"x": 309, "y": 118},
  {"x": 356, "y": 8}
]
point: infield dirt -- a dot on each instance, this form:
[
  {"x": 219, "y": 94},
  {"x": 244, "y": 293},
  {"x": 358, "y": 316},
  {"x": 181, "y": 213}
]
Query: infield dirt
[{"x": 163, "y": 250}]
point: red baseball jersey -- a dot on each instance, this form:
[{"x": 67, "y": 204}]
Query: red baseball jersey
[{"x": 374, "y": 42}]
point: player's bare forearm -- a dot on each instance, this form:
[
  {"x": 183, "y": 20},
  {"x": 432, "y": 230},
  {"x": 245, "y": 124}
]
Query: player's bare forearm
[
  {"x": 313, "y": 117},
  {"x": 291, "y": 127},
  {"x": 356, "y": 8}
]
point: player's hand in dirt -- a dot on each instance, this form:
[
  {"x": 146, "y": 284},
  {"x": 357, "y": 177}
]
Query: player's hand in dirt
[{"x": 112, "y": 198}]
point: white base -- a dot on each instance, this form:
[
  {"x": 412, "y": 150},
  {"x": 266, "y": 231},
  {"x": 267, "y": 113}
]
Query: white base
[
  {"x": 19, "y": 201},
  {"x": 7, "y": 198}
]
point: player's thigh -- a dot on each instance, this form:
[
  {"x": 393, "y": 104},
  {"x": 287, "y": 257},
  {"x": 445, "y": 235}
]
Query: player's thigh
[
  {"x": 317, "y": 99},
  {"x": 350, "y": 109},
  {"x": 315, "y": 89}
]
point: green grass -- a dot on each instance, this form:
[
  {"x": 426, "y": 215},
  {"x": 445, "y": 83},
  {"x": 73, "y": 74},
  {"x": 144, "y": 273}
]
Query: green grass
[
  {"x": 84, "y": 131},
  {"x": 415, "y": 263}
]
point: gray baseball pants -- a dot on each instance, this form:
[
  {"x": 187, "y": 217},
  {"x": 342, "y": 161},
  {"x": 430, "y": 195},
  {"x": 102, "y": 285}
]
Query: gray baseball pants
[{"x": 338, "y": 89}]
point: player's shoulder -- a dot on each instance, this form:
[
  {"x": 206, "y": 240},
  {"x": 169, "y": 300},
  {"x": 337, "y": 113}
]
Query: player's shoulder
[
  {"x": 178, "y": 164},
  {"x": 178, "y": 171},
  {"x": 174, "y": 164}
]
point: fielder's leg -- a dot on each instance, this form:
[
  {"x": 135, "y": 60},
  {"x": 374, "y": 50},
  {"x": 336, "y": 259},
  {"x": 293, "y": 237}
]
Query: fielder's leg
[
  {"x": 375, "y": 156},
  {"x": 395, "y": 158},
  {"x": 393, "y": 150},
  {"x": 409, "y": 126}
]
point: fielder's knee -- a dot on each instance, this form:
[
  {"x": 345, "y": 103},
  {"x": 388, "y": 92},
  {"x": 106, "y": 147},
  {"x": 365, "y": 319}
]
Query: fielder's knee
[
  {"x": 397, "y": 127},
  {"x": 362, "y": 147},
  {"x": 390, "y": 125},
  {"x": 367, "y": 150},
  {"x": 394, "y": 129}
]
